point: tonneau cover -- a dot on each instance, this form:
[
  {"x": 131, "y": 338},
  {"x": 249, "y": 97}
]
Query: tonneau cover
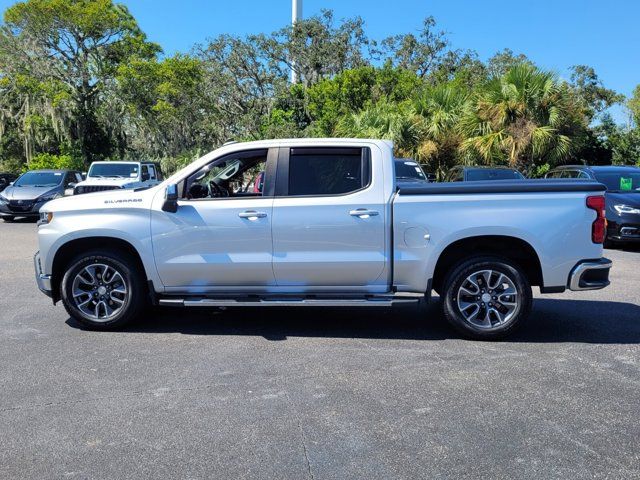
[{"x": 502, "y": 186}]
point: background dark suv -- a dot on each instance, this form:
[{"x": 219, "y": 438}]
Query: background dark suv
[
  {"x": 462, "y": 173},
  {"x": 622, "y": 197}
]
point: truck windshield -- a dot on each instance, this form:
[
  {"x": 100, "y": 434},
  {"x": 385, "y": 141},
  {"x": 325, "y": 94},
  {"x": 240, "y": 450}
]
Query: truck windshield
[
  {"x": 620, "y": 181},
  {"x": 128, "y": 170},
  {"x": 409, "y": 169},
  {"x": 39, "y": 179},
  {"x": 497, "y": 174}
]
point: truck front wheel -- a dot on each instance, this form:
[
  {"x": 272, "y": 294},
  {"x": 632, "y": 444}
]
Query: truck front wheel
[
  {"x": 103, "y": 290},
  {"x": 486, "y": 298}
]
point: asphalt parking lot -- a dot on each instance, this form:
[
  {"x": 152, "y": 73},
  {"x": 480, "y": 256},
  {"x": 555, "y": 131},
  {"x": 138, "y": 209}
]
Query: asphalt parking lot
[{"x": 322, "y": 394}]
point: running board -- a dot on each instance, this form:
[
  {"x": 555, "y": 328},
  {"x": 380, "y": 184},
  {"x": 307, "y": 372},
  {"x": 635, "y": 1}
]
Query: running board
[{"x": 387, "y": 301}]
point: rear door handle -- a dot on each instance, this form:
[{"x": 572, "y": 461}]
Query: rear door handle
[
  {"x": 252, "y": 215},
  {"x": 363, "y": 213}
]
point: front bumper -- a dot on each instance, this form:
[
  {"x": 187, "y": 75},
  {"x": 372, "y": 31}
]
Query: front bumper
[
  {"x": 590, "y": 275},
  {"x": 26, "y": 209},
  {"x": 43, "y": 280},
  {"x": 623, "y": 231}
]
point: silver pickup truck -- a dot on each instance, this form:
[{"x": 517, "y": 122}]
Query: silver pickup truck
[{"x": 321, "y": 222}]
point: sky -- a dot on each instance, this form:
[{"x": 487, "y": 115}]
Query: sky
[{"x": 555, "y": 34}]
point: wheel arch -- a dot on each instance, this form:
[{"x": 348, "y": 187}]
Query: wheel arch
[
  {"x": 512, "y": 248},
  {"x": 67, "y": 251}
]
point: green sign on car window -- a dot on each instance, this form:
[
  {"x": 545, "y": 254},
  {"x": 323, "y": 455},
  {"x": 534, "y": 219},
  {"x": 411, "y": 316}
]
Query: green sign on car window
[{"x": 626, "y": 183}]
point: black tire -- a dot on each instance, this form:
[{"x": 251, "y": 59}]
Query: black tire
[
  {"x": 503, "y": 311},
  {"x": 8, "y": 219},
  {"x": 130, "y": 279}
]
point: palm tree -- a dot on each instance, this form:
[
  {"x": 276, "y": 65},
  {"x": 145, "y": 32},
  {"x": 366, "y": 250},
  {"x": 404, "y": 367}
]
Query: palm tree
[
  {"x": 438, "y": 111},
  {"x": 384, "y": 120},
  {"x": 523, "y": 118}
]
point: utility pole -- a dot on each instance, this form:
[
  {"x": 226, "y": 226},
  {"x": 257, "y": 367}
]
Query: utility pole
[{"x": 296, "y": 14}]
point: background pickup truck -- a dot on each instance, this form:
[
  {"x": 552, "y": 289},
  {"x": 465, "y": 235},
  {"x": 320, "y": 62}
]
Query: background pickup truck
[
  {"x": 104, "y": 176},
  {"x": 328, "y": 226}
]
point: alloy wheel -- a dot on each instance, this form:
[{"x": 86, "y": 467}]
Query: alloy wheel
[
  {"x": 99, "y": 292},
  {"x": 487, "y": 299}
]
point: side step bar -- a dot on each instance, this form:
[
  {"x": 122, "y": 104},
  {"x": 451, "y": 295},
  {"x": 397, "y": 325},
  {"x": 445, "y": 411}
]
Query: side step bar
[{"x": 376, "y": 301}]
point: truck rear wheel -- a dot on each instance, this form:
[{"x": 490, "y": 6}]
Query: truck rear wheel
[
  {"x": 486, "y": 298},
  {"x": 103, "y": 290}
]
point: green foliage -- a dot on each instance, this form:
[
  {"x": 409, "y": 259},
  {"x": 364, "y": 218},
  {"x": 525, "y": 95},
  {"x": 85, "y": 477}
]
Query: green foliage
[
  {"x": 171, "y": 165},
  {"x": 540, "y": 171},
  {"x": 594, "y": 96},
  {"x": 47, "y": 160},
  {"x": 634, "y": 105},
  {"x": 59, "y": 57},
  {"x": 79, "y": 81},
  {"x": 623, "y": 142},
  {"x": 354, "y": 90},
  {"x": 11, "y": 165},
  {"x": 522, "y": 118}
]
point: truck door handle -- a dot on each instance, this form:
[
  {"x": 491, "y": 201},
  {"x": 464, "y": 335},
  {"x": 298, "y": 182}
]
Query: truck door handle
[
  {"x": 252, "y": 215},
  {"x": 363, "y": 213}
]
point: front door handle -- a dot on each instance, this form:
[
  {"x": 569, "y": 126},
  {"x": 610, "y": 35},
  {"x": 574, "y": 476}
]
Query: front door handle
[
  {"x": 363, "y": 213},
  {"x": 252, "y": 215}
]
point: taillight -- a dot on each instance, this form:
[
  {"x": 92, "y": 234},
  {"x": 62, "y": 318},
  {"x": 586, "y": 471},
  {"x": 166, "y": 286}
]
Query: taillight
[{"x": 599, "y": 226}]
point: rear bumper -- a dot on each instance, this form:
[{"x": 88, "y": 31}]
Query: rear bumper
[
  {"x": 590, "y": 275},
  {"x": 43, "y": 280}
]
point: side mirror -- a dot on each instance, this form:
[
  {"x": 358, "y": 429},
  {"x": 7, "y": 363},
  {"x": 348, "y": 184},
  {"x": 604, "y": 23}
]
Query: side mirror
[
  {"x": 10, "y": 183},
  {"x": 84, "y": 175},
  {"x": 72, "y": 185},
  {"x": 170, "y": 199}
]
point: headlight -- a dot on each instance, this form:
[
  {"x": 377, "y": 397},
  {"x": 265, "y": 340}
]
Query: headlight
[
  {"x": 622, "y": 209},
  {"x": 48, "y": 197},
  {"x": 45, "y": 217}
]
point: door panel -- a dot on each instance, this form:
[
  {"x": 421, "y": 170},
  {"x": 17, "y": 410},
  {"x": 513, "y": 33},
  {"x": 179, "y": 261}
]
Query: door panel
[
  {"x": 330, "y": 241},
  {"x": 214, "y": 243},
  {"x": 220, "y": 235}
]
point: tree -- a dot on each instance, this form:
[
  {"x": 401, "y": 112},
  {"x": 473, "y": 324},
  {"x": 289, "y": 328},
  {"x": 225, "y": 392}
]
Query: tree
[
  {"x": 591, "y": 92},
  {"x": 354, "y": 90},
  {"x": 523, "y": 118},
  {"x": 165, "y": 105},
  {"x": 623, "y": 141},
  {"x": 634, "y": 105},
  {"x": 438, "y": 112},
  {"x": 505, "y": 60},
  {"x": 241, "y": 84},
  {"x": 69, "y": 50},
  {"x": 315, "y": 48},
  {"x": 385, "y": 120},
  {"x": 420, "y": 54}
]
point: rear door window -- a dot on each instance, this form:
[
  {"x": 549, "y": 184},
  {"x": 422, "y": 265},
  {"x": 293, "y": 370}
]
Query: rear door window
[{"x": 327, "y": 171}]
